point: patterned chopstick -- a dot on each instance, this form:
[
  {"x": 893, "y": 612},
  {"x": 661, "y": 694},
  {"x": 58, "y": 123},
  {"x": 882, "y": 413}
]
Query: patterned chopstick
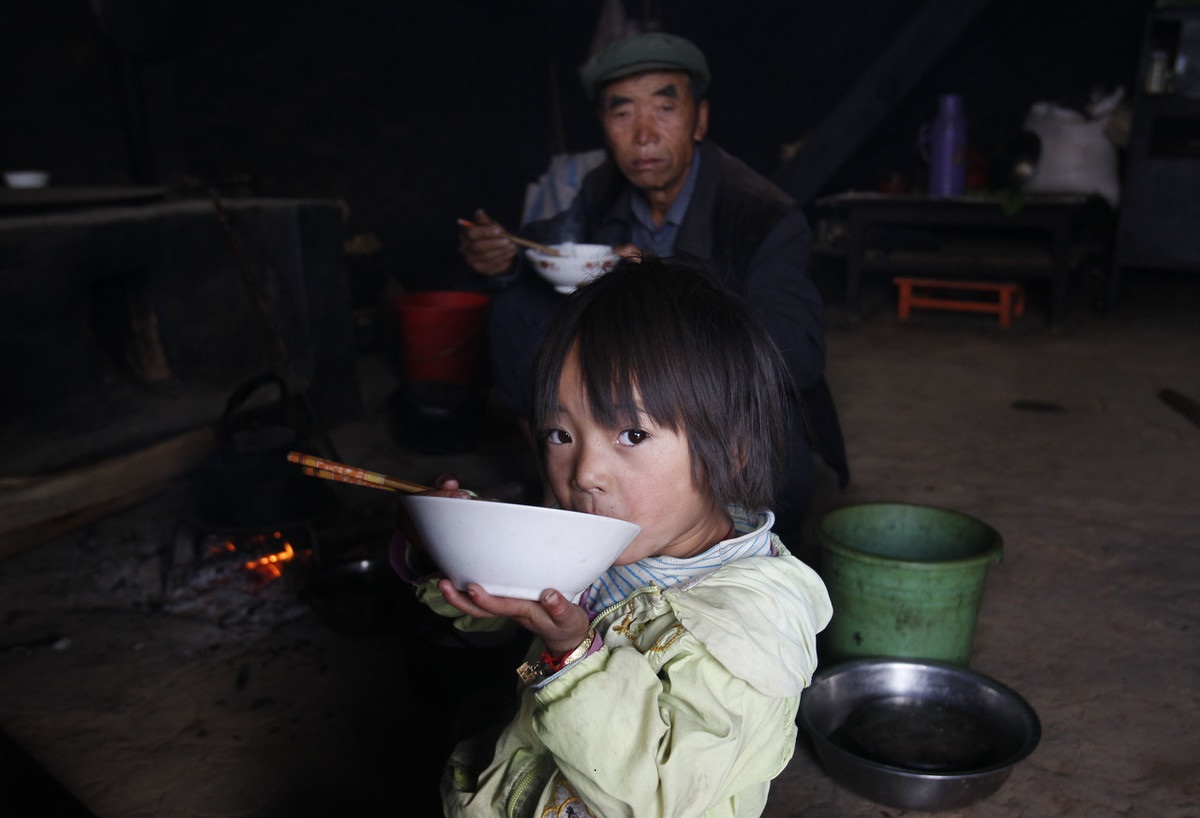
[{"x": 332, "y": 470}]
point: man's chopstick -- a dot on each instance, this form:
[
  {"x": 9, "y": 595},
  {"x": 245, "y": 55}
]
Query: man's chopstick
[
  {"x": 541, "y": 248},
  {"x": 332, "y": 470}
]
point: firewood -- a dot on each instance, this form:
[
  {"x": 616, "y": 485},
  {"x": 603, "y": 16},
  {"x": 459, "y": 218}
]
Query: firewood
[
  {"x": 34, "y": 509},
  {"x": 1181, "y": 404}
]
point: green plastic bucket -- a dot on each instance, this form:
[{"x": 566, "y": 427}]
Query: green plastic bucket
[{"x": 905, "y": 581}]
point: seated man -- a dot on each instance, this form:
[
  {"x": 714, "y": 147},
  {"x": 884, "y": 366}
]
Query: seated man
[{"x": 666, "y": 190}]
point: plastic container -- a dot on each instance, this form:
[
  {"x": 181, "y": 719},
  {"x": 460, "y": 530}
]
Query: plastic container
[
  {"x": 441, "y": 335},
  {"x": 905, "y": 580},
  {"x": 943, "y": 143}
]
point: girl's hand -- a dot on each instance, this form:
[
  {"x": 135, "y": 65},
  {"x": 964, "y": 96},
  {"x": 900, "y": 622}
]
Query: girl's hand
[
  {"x": 447, "y": 486},
  {"x": 561, "y": 624}
]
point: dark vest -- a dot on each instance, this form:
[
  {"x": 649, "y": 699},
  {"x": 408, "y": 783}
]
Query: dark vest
[{"x": 730, "y": 215}]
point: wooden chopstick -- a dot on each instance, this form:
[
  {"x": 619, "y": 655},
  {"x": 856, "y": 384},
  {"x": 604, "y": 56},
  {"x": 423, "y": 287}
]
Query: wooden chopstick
[
  {"x": 332, "y": 470},
  {"x": 541, "y": 248},
  {"x": 325, "y": 474}
]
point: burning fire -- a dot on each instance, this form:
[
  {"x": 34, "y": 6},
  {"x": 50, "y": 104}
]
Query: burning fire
[{"x": 269, "y": 566}]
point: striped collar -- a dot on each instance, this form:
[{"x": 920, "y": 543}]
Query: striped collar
[{"x": 753, "y": 539}]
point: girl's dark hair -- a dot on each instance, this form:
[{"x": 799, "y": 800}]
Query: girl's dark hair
[{"x": 702, "y": 364}]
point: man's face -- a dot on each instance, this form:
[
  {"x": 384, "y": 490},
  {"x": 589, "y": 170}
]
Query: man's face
[{"x": 652, "y": 125}]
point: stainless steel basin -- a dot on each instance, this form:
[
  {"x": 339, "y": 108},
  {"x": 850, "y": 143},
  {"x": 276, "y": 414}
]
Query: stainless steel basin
[{"x": 916, "y": 734}]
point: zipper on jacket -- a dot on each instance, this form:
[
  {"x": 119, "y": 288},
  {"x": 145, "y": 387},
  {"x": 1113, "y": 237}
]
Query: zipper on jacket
[
  {"x": 606, "y": 612},
  {"x": 538, "y": 770}
]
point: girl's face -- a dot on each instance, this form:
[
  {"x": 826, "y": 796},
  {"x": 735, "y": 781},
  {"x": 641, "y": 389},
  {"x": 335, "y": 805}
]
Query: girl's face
[{"x": 641, "y": 473}]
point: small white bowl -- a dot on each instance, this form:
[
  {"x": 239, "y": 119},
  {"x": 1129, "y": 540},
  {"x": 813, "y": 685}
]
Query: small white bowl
[
  {"x": 517, "y": 550},
  {"x": 26, "y": 178},
  {"x": 577, "y": 264}
]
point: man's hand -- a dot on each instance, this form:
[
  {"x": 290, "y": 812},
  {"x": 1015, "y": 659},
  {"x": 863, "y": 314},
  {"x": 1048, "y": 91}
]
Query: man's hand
[{"x": 485, "y": 246}]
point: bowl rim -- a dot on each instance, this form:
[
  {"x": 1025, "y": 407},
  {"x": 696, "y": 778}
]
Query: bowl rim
[
  {"x": 524, "y": 507},
  {"x": 591, "y": 251},
  {"x": 26, "y": 178}
]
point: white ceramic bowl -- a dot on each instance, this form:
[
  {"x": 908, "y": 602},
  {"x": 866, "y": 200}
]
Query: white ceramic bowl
[
  {"x": 577, "y": 264},
  {"x": 26, "y": 178},
  {"x": 517, "y": 550}
]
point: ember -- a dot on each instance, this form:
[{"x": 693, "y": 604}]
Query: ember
[
  {"x": 269, "y": 566},
  {"x": 232, "y": 576}
]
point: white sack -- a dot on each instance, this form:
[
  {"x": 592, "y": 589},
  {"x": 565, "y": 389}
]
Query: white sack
[{"x": 1077, "y": 155}]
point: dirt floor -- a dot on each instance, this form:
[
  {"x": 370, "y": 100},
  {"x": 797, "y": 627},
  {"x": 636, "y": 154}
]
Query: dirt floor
[{"x": 139, "y": 704}]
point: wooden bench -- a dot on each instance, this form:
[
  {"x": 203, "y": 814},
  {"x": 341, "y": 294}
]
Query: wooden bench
[{"x": 934, "y": 294}]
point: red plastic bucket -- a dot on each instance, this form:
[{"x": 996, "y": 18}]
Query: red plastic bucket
[{"x": 440, "y": 333}]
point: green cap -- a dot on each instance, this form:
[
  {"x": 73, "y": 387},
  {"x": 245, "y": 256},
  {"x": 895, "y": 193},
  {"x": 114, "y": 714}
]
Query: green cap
[{"x": 653, "y": 51}]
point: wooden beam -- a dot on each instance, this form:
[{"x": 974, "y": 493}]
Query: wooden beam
[
  {"x": 36, "y": 509},
  {"x": 1181, "y": 404},
  {"x": 880, "y": 89}
]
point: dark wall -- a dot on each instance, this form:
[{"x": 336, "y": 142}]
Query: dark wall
[{"x": 414, "y": 113}]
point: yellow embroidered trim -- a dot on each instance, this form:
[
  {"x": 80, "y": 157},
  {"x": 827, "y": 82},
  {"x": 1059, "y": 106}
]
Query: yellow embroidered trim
[
  {"x": 565, "y": 802},
  {"x": 634, "y": 635},
  {"x": 667, "y": 640}
]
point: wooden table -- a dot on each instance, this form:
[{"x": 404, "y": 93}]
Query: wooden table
[
  {"x": 38, "y": 200},
  {"x": 962, "y": 237}
]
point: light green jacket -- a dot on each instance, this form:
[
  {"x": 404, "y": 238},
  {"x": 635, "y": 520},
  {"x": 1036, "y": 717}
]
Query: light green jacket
[{"x": 688, "y": 708}]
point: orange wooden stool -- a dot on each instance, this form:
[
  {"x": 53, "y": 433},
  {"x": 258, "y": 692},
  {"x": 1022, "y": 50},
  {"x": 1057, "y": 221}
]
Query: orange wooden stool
[{"x": 922, "y": 292}]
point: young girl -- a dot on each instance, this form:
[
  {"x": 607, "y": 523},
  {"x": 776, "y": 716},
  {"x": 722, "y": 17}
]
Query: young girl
[{"x": 672, "y": 687}]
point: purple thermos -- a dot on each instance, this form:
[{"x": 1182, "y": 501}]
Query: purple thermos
[{"x": 943, "y": 143}]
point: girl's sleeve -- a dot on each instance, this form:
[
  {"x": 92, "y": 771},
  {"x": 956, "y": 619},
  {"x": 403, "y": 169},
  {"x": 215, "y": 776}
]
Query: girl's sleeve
[
  {"x": 414, "y": 567},
  {"x": 635, "y": 737}
]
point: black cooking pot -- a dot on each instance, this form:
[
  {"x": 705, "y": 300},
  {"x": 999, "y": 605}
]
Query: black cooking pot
[
  {"x": 248, "y": 482},
  {"x": 359, "y": 597}
]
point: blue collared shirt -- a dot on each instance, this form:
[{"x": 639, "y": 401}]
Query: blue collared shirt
[{"x": 661, "y": 241}]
